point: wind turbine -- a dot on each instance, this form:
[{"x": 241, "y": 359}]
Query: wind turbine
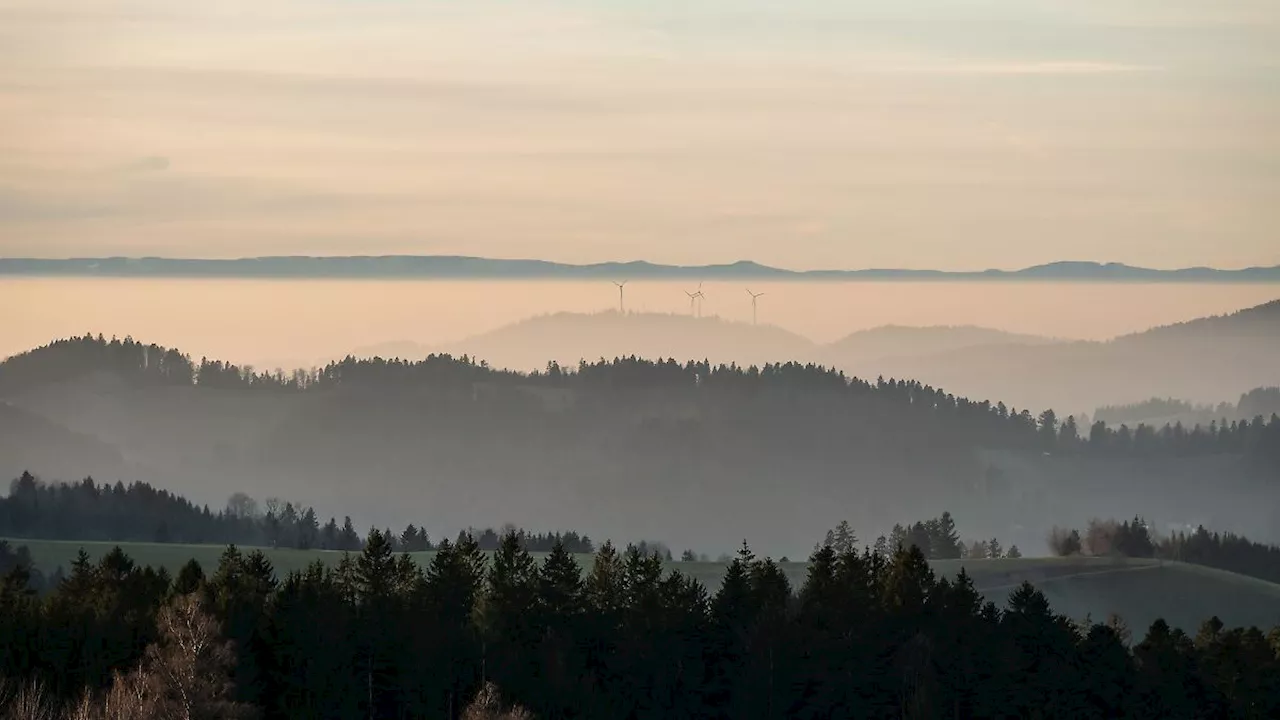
[
  {"x": 693, "y": 299},
  {"x": 753, "y": 304},
  {"x": 701, "y": 296},
  {"x": 622, "y": 308}
]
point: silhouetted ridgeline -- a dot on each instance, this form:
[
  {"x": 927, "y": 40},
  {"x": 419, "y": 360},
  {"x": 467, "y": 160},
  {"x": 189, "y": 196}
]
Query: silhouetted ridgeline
[
  {"x": 693, "y": 453},
  {"x": 1224, "y": 551},
  {"x": 867, "y": 635},
  {"x": 1259, "y": 402},
  {"x": 966, "y": 420},
  {"x": 441, "y": 266},
  {"x": 140, "y": 513}
]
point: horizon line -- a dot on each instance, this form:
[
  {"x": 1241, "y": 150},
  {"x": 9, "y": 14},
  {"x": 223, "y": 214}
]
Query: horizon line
[{"x": 477, "y": 267}]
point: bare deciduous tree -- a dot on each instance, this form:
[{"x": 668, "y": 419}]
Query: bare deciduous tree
[
  {"x": 191, "y": 663},
  {"x": 242, "y": 506},
  {"x": 488, "y": 706},
  {"x": 26, "y": 702}
]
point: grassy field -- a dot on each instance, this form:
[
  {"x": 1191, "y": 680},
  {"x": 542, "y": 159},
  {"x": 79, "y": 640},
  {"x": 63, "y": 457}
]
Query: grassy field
[{"x": 1137, "y": 590}]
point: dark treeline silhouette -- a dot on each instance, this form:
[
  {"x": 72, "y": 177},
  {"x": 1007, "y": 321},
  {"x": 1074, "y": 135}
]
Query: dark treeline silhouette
[
  {"x": 866, "y": 636},
  {"x": 1224, "y": 551},
  {"x": 140, "y": 513},
  {"x": 1130, "y": 538},
  {"x": 937, "y": 539},
  {"x": 964, "y": 420},
  {"x": 18, "y": 560},
  {"x": 489, "y": 540},
  {"x": 1259, "y": 402}
]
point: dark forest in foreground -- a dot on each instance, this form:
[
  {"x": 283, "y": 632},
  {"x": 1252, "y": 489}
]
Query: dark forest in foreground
[{"x": 865, "y": 636}]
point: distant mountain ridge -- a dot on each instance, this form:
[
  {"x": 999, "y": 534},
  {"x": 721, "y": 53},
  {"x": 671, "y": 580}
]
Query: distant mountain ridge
[
  {"x": 461, "y": 267},
  {"x": 1024, "y": 370}
]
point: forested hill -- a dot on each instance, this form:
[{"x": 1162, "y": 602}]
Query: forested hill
[{"x": 690, "y": 452}]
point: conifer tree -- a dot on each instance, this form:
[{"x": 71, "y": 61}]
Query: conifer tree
[
  {"x": 994, "y": 549},
  {"x": 348, "y": 538},
  {"x": 510, "y": 617}
]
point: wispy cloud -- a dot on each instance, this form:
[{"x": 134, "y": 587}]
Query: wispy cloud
[
  {"x": 580, "y": 130},
  {"x": 1020, "y": 68}
]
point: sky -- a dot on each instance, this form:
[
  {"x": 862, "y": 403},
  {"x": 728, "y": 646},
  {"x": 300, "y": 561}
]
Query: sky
[{"x": 951, "y": 134}]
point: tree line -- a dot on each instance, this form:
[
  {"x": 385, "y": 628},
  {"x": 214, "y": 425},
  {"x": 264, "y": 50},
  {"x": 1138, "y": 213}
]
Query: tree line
[
  {"x": 378, "y": 636},
  {"x": 1224, "y": 551},
  {"x": 137, "y": 512},
  {"x": 968, "y": 421},
  {"x": 1258, "y": 402},
  {"x": 936, "y": 539}
]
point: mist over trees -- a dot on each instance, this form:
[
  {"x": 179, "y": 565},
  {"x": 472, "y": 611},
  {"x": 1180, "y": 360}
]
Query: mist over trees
[
  {"x": 1259, "y": 402},
  {"x": 140, "y": 513},
  {"x": 459, "y": 444},
  {"x": 1134, "y": 539}
]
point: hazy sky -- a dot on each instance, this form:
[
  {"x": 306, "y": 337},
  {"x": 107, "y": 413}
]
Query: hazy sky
[{"x": 803, "y": 133}]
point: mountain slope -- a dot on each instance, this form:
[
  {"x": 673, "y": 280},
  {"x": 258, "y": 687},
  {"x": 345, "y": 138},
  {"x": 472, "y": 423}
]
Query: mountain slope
[
  {"x": 29, "y": 441},
  {"x": 569, "y": 337},
  {"x": 859, "y": 352},
  {"x": 1202, "y": 361}
]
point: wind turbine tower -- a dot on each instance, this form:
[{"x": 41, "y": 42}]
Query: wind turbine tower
[
  {"x": 753, "y": 304},
  {"x": 622, "y": 306}
]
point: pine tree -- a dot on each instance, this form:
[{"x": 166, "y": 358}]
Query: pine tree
[
  {"x": 881, "y": 547},
  {"x": 945, "y": 543},
  {"x": 510, "y": 618},
  {"x": 379, "y": 608},
  {"x": 190, "y": 578},
  {"x": 308, "y": 533},
  {"x": 845, "y": 539},
  {"x": 897, "y": 538},
  {"x": 409, "y": 538},
  {"x": 994, "y": 550},
  {"x": 348, "y": 538},
  {"x": 329, "y": 536}
]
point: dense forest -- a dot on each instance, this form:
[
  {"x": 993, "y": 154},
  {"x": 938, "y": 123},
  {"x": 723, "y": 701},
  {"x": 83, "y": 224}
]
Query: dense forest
[
  {"x": 1259, "y": 402},
  {"x": 867, "y": 635},
  {"x": 694, "y": 453},
  {"x": 140, "y": 513},
  {"x": 993, "y": 424}
]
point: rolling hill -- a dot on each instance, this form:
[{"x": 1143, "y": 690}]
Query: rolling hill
[
  {"x": 569, "y": 337},
  {"x": 693, "y": 455},
  {"x": 869, "y": 351},
  {"x": 28, "y": 439},
  {"x": 1202, "y": 361}
]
